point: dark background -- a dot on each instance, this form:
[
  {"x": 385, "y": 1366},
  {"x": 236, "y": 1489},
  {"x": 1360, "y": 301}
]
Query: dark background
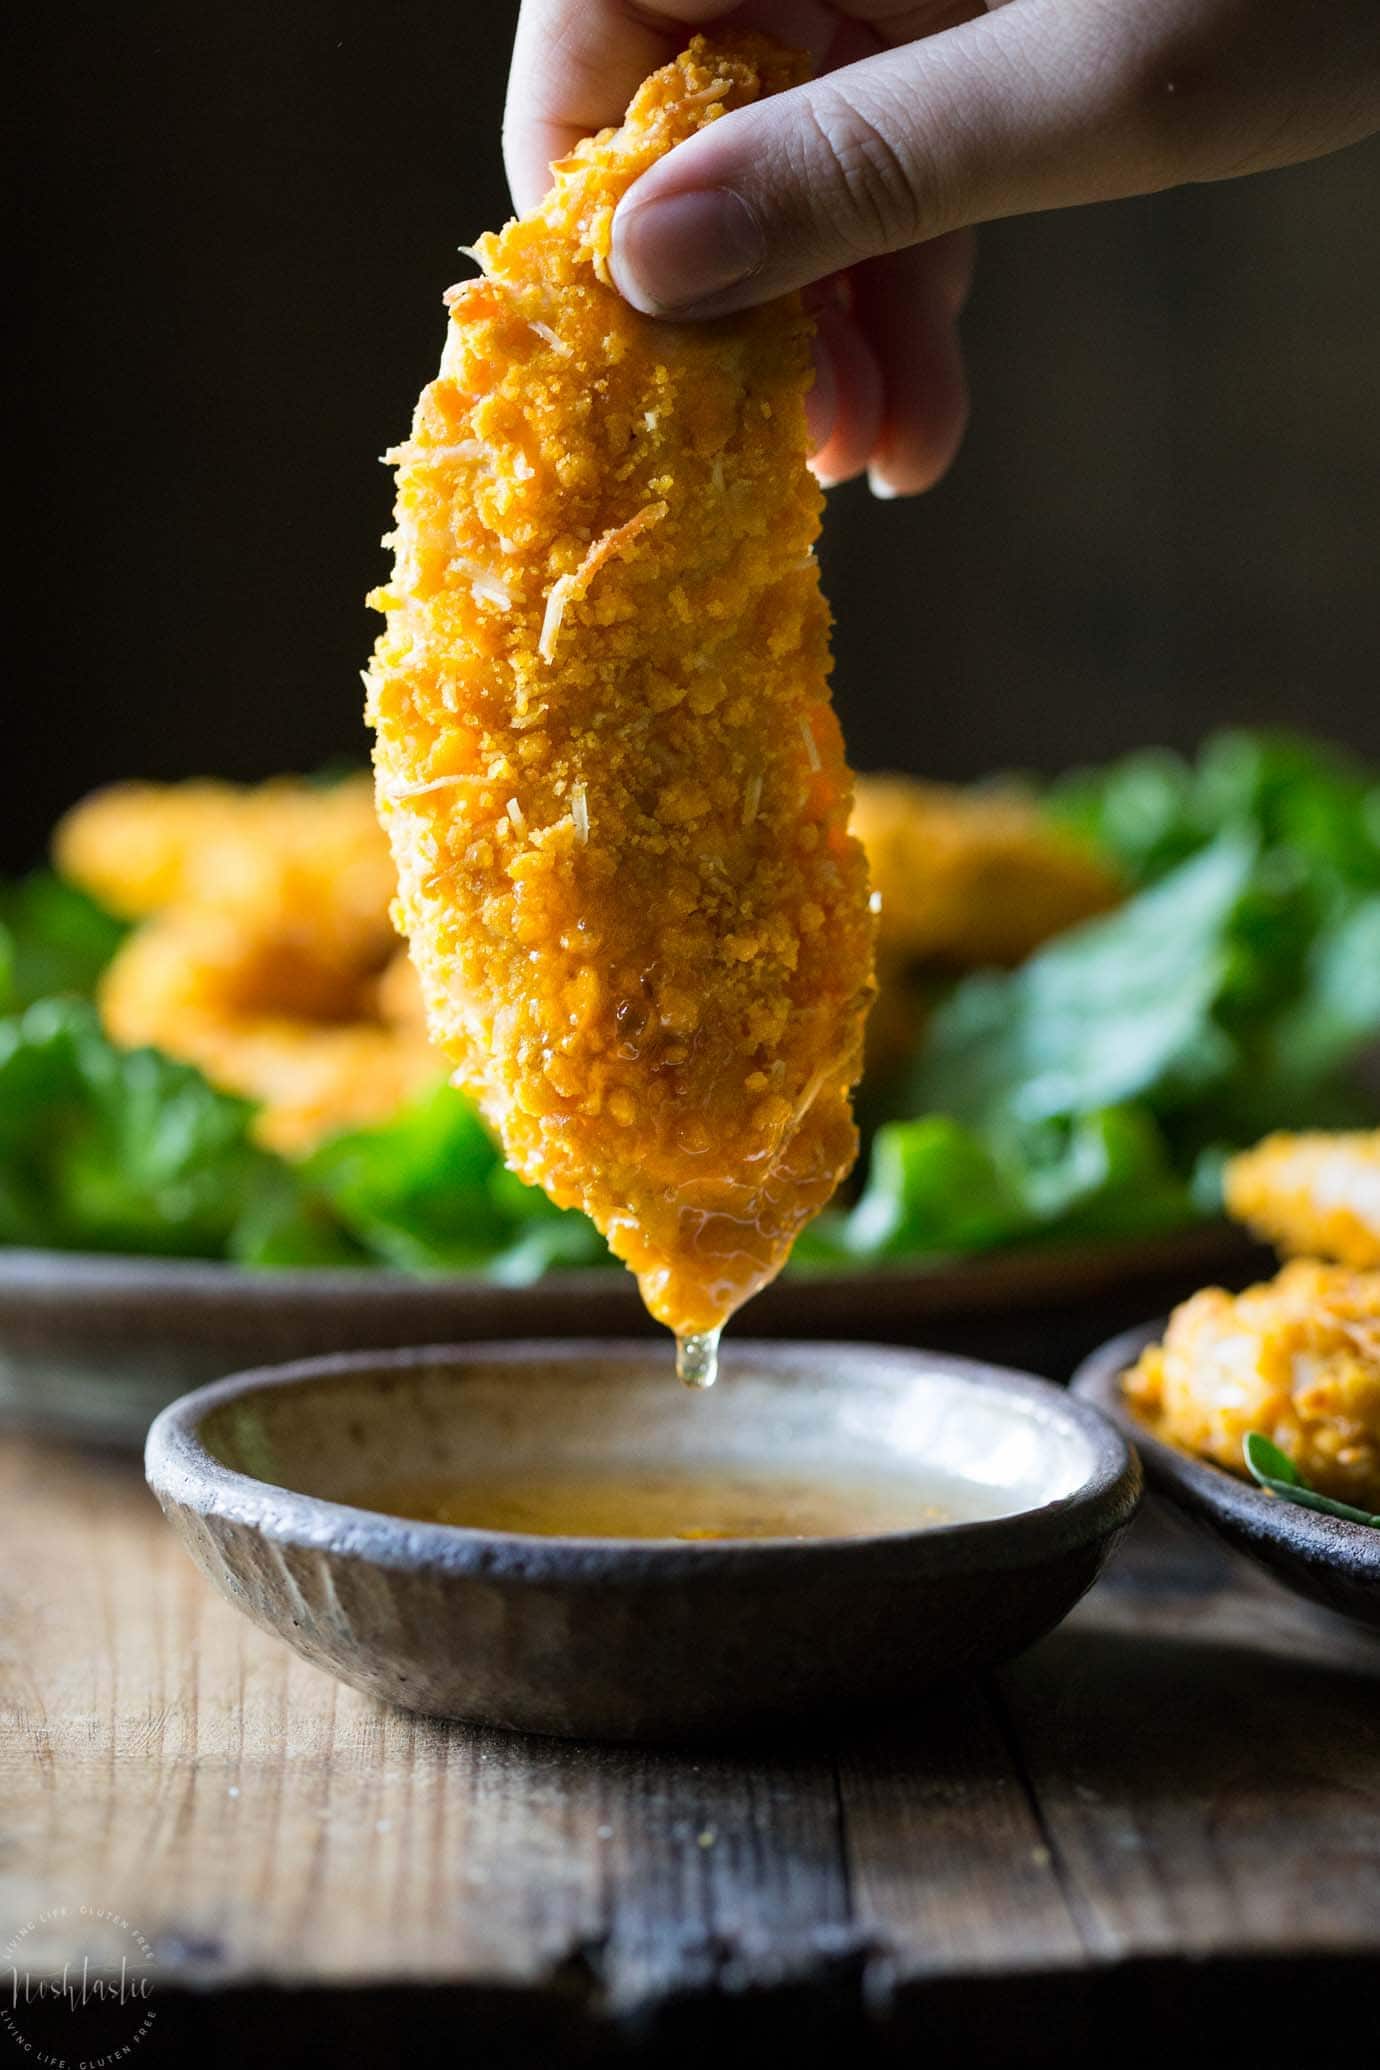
[{"x": 235, "y": 226}]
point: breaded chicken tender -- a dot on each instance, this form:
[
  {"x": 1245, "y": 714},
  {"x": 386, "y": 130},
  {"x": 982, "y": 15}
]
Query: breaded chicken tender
[
  {"x": 1314, "y": 1194},
  {"x": 269, "y": 959},
  {"x": 141, "y": 847},
  {"x": 1297, "y": 1358},
  {"x": 969, "y": 878},
  {"x": 257, "y": 1001},
  {"x": 606, "y": 756}
]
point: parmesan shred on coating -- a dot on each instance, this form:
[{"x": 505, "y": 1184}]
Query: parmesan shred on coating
[
  {"x": 567, "y": 589},
  {"x": 463, "y": 449},
  {"x": 485, "y": 584},
  {"x": 645, "y": 946},
  {"x": 400, "y": 791},
  {"x": 547, "y": 335}
]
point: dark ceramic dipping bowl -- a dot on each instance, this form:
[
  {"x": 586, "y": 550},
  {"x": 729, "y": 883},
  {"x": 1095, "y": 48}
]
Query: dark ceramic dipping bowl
[
  {"x": 1325, "y": 1558},
  {"x": 263, "y": 1477}
]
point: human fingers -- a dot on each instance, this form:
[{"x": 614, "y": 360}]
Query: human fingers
[
  {"x": 908, "y": 305},
  {"x": 890, "y": 397},
  {"x": 1040, "y": 104}
]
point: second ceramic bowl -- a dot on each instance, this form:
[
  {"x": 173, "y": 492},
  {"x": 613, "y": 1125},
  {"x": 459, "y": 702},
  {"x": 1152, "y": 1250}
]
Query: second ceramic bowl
[{"x": 1325, "y": 1558}]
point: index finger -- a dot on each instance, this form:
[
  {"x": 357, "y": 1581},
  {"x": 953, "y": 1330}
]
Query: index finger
[{"x": 576, "y": 65}]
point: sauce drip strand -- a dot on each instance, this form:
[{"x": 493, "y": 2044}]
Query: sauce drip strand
[{"x": 697, "y": 1359}]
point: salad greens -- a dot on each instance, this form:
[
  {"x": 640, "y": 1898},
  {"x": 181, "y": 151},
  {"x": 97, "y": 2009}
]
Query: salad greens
[
  {"x": 937, "y": 1185},
  {"x": 1094, "y": 1090},
  {"x": 1100, "y": 1086},
  {"x": 116, "y": 1150},
  {"x": 53, "y": 939},
  {"x": 1136, "y": 1006},
  {"x": 125, "y": 1150},
  {"x": 1153, "y": 809},
  {"x": 428, "y": 1192}
]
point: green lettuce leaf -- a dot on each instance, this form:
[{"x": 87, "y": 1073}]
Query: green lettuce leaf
[
  {"x": 286, "y": 1227},
  {"x": 1127, "y": 1007},
  {"x": 1153, "y": 809},
  {"x": 937, "y": 1186},
  {"x": 428, "y": 1192},
  {"x": 109, "y": 1149},
  {"x": 1098, "y": 1088},
  {"x": 53, "y": 940}
]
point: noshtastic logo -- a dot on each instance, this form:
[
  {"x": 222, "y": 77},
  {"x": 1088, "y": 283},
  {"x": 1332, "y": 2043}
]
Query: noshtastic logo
[{"x": 76, "y": 1988}]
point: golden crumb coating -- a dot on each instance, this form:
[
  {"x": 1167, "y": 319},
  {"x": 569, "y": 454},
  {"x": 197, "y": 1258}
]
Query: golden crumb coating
[
  {"x": 1316, "y": 1194},
  {"x": 142, "y": 847},
  {"x": 971, "y": 877},
  {"x": 606, "y": 756},
  {"x": 1297, "y": 1358},
  {"x": 259, "y": 1001}
]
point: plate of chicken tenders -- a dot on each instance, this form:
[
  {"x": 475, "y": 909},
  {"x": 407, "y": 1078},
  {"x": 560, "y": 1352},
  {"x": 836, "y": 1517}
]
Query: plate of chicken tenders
[
  {"x": 612, "y": 961},
  {"x": 1259, "y": 1412}
]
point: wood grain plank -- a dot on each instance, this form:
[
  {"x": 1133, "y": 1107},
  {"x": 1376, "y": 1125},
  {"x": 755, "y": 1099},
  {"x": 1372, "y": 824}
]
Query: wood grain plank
[
  {"x": 1204, "y": 1754},
  {"x": 1190, "y": 1767},
  {"x": 162, "y": 1757},
  {"x": 951, "y": 1873},
  {"x": 724, "y": 1869}
]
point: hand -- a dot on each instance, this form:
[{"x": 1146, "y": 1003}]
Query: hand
[{"x": 927, "y": 118}]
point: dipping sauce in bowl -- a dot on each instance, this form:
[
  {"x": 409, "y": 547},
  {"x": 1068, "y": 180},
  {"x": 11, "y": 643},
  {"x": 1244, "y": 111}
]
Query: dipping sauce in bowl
[{"x": 674, "y": 1503}]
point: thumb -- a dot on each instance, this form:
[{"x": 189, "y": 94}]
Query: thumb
[{"x": 1037, "y": 105}]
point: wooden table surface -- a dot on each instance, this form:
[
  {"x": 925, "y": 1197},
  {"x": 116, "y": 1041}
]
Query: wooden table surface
[{"x": 1113, "y": 1833}]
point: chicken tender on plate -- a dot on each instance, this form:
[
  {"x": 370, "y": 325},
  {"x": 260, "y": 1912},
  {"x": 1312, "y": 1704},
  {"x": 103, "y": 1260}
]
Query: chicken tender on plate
[
  {"x": 606, "y": 756},
  {"x": 1297, "y": 1357},
  {"x": 257, "y": 1000},
  {"x": 1315, "y": 1194},
  {"x": 266, "y": 956},
  {"x": 141, "y": 847},
  {"x": 969, "y": 878}
]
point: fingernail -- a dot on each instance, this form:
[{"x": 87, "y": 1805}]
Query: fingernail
[
  {"x": 881, "y": 488},
  {"x": 670, "y": 254}
]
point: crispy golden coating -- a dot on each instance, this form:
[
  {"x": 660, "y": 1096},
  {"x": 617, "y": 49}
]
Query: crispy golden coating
[
  {"x": 1316, "y": 1194},
  {"x": 606, "y": 756},
  {"x": 1297, "y": 1358},
  {"x": 142, "y": 847},
  {"x": 970, "y": 878},
  {"x": 258, "y": 1001}
]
